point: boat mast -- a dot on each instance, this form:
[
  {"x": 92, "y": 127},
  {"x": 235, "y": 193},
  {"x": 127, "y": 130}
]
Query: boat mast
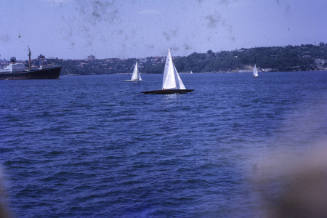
[{"x": 29, "y": 59}]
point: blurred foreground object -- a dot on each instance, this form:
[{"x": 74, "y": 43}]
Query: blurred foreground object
[
  {"x": 294, "y": 186},
  {"x": 4, "y": 213}
]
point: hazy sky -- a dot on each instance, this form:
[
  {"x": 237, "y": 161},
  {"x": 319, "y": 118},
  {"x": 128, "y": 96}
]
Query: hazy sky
[{"x": 140, "y": 28}]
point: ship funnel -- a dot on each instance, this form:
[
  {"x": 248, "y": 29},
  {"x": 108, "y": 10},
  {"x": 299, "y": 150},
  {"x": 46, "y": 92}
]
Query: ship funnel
[{"x": 13, "y": 60}]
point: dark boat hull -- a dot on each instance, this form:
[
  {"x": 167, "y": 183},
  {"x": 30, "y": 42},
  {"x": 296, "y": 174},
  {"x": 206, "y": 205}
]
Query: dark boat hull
[
  {"x": 169, "y": 91},
  {"x": 46, "y": 73}
]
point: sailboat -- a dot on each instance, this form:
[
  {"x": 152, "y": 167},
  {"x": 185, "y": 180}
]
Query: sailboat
[
  {"x": 171, "y": 82},
  {"x": 255, "y": 71},
  {"x": 191, "y": 72},
  {"x": 136, "y": 76}
]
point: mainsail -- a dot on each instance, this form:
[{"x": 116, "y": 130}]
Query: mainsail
[
  {"x": 136, "y": 76},
  {"x": 255, "y": 71},
  {"x": 171, "y": 78}
]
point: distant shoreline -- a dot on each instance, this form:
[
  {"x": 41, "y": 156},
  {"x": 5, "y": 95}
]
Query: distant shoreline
[
  {"x": 268, "y": 59},
  {"x": 185, "y": 73}
]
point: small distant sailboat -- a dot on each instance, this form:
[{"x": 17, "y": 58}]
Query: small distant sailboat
[
  {"x": 255, "y": 71},
  {"x": 172, "y": 82},
  {"x": 136, "y": 76},
  {"x": 191, "y": 72}
]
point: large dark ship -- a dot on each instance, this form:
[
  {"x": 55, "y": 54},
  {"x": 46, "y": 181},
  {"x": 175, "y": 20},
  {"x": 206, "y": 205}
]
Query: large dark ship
[{"x": 16, "y": 71}]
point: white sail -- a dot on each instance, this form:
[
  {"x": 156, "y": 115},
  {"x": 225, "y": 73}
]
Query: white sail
[
  {"x": 136, "y": 76},
  {"x": 255, "y": 71},
  {"x": 191, "y": 72},
  {"x": 179, "y": 82},
  {"x": 171, "y": 78}
]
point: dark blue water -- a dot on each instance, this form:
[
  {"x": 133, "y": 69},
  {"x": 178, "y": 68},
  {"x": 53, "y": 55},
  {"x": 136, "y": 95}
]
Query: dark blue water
[{"x": 95, "y": 146}]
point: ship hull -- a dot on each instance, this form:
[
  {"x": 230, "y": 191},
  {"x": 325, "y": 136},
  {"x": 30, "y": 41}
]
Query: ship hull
[
  {"x": 46, "y": 73},
  {"x": 169, "y": 91}
]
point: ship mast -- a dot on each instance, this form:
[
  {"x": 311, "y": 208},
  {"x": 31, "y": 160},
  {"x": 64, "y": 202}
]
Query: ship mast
[{"x": 29, "y": 58}]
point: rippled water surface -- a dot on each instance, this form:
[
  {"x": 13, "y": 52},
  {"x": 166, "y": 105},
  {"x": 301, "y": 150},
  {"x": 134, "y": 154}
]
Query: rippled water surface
[{"x": 95, "y": 146}]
